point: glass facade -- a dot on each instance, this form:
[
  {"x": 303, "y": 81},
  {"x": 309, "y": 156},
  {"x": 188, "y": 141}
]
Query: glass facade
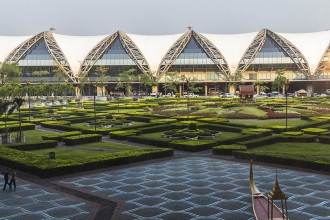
[
  {"x": 116, "y": 59},
  {"x": 37, "y": 61},
  {"x": 193, "y": 59},
  {"x": 272, "y": 57}
]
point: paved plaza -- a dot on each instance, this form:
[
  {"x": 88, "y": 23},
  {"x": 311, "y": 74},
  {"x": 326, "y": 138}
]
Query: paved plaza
[
  {"x": 203, "y": 188},
  {"x": 32, "y": 202}
]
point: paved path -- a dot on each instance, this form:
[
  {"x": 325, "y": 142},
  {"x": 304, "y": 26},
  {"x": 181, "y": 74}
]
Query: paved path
[
  {"x": 32, "y": 201},
  {"x": 187, "y": 186},
  {"x": 203, "y": 188}
]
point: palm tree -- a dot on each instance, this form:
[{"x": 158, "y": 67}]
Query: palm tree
[
  {"x": 6, "y": 108},
  {"x": 18, "y": 102}
]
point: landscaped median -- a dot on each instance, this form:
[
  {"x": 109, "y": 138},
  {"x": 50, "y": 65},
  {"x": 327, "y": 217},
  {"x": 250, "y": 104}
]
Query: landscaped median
[{"x": 44, "y": 167}]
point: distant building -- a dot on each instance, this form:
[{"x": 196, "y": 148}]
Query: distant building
[{"x": 212, "y": 60}]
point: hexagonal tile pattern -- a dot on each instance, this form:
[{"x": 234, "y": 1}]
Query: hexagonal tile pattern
[
  {"x": 30, "y": 201},
  {"x": 203, "y": 188}
]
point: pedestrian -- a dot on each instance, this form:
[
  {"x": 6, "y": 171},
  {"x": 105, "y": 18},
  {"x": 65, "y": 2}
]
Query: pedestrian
[
  {"x": 6, "y": 177},
  {"x": 12, "y": 179}
]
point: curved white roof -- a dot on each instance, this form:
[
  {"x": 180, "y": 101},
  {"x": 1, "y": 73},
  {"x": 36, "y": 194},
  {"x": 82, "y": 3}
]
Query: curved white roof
[
  {"x": 232, "y": 46},
  {"x": 311, "y": 45},
  {"x": 154, "y": 47},
  {"x": 9, "y": 43},
  {"x": 76, "y": 48}
]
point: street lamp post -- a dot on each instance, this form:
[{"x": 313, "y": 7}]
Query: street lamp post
[
  {"x": 92, "y": 85},
  {"x": 286, "y": 104},
  {"x": 29, "y": 100}
]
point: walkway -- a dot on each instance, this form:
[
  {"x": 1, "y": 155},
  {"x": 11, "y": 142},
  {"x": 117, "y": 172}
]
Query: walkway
[{"x": 202, "y": 188}]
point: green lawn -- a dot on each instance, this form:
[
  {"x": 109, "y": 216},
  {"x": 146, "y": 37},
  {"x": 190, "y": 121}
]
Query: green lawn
[
  {"x": 66, "y": 153},
  {"x": 268, "y": 123},
  {"x": 310, "y": 151},
  {"x": 34, "y": 135}
]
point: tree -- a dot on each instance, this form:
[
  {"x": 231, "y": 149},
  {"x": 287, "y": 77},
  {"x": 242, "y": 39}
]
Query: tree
[
  {"x": 9, "y": 70},
  {"x": 171, "y": 81},
  {"x": 191, "y": 88},
  {"x": 236, "y": 80},
  {"x": 125, "y": 80},
  {"x": 6, "y": 108},
  {"x": 261, "y": 85},
  {"x": 40, "y": 73},
  {"x": 18, "y": 102},
  {"x": 147, "y": 80},
  {"x": 279, "y": 81},
  {"x": 101, "y": 71}
]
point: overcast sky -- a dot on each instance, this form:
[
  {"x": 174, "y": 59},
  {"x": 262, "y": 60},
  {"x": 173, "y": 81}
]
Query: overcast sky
[{"x": 96, "y": 17}]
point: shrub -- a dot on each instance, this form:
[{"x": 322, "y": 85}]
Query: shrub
[
  {"x": 32, "y": 145},
  {"x": 258, "y": 142},
  {"x": 228, "y": 149},
  {"x": 192, "y": 145},
  {"x": 59, "y": 136},
  {"x": 256, "y": 131},
  {"x": 292, "y": 133},
  {"x": 300, "y": 138},
  {"x": 282, "y": 128},
  {"x": 324, "y": 139},
  {"x": 213, "y": 120},
  {"x": 315, "y": 131},
  {"x": 192, "y": 126},
  {"x": 122, "y": 135},
  {"x": 15, "y": 127},
  {"x": 42, "y": 167},
  {"x": 163, "y": 121},
  {"x": 82, "y": 139}
]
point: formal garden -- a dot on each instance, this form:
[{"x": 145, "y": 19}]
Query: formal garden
[{"x": 75, "y": 135}]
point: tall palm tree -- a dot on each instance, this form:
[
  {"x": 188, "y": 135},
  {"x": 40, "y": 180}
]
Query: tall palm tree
[{"x": 18, "y": 102}]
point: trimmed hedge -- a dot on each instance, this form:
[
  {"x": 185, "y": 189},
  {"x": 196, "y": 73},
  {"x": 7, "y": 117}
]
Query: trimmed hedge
[
  {"x": 304, "y": 138},
  {"x": 228, "y": 149},
  {"x": 324, "y": 139},
  {"x": 315, "y": 131},
  {"x": 258, "y": 142},
  {"x": 32, "y": 145},
  {"x": 145, "y": 140},
  {"x": 82, "y": 139},
  {"x": 257, "y": 131},
  {"x": 59, "y": 136},
  {"x": 15, "y": 127},
  {"x": 122, "y": 135},
  {"x": 278, "y": 159},
  {"x": 45, "y": 167},
  {"x": 192, "y": 145}
]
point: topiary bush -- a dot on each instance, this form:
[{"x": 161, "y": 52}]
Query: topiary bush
[
  {"x": 314, "y": 131},
  {"x": 60, "y": 136},
  {"x": 192, "y": 126},
  {"x": 82, "y": 139},
  {"x": 228, "y": 149},
  {"x": 257, "y": 131}
]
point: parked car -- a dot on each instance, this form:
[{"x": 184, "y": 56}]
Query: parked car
[
  {"x": 153, "y": 95},
  {"x": 226, "y": 95},
  {"x": 191, "y": 95}
]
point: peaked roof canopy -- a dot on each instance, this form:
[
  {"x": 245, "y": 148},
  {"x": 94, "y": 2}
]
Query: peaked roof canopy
[{"x": 155, "y": 53}]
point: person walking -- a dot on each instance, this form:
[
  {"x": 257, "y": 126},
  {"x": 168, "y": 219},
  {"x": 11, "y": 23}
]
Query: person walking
[
  {"x": 12, "y": 179},
  {"x": 6, "y": 177}
]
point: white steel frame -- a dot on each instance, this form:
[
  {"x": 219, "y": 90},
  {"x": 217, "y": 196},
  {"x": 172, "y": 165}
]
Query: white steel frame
[
  {"x": 322, "y": 65},
  {"x": 53, "y": 49},
  {"x": 176, "y": 49},
  {"x": 292, "y": 51},
  {"x": 129, "y": 46}
]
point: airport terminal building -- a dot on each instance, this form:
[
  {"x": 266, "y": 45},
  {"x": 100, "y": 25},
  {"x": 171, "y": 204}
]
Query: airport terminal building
[{"x": 214, "y": 60}]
